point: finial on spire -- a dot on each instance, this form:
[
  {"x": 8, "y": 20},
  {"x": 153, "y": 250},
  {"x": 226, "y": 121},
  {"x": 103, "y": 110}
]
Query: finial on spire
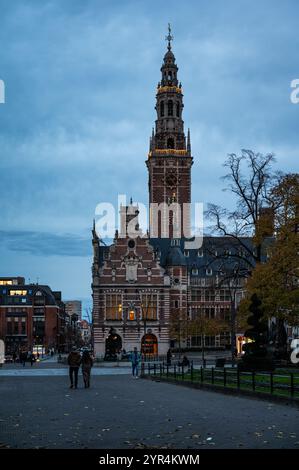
[{"x": 169, "y": 37}]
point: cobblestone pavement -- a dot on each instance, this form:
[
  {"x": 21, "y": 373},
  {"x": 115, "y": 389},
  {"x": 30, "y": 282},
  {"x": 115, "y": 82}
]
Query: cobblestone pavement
[{"x": 121, "y": 412}]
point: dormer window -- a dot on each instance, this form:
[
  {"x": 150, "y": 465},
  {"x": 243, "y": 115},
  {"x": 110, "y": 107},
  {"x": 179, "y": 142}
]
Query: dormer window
[
  {"x": 209, "y": 272},
  {"x": 200, "y": 253}
]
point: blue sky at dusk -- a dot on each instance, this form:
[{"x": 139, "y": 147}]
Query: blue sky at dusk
[{"x": 80, "y": 81}]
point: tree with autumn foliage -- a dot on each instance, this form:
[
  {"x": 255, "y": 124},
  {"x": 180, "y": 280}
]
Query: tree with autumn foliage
[{"x": 276, "y": 282}]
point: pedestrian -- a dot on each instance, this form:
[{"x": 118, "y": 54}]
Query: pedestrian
[
  {"x": 168, "y": 357},
  {"x": 135, "y": 359},
  {"x": 74, "y": 361},
  {"x": 185, "y": 362},
  {"x": 23, "y": 357},
  {"x": 87, "y": 364},
  {"x": 31, "y": 357},
  {"x": 14, "y": 357}
]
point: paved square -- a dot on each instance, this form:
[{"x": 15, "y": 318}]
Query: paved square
[{"x": 120, "y": 412}]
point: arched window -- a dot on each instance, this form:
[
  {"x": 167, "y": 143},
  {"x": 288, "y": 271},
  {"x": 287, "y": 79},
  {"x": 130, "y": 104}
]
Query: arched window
[
  {"x": 178, "y": 109},
  {"x": 170, "y": 108},
  {"x": 162, "y": 108},
  {"x": 169, "y": 75},
  {"x": 170, "y": 143}
]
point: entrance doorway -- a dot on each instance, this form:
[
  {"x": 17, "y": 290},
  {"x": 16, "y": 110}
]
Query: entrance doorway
[{"x": 149, "y": 345}]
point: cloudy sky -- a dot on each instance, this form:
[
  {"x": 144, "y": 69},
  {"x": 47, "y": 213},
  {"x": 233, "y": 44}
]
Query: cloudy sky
[{"x": 80, "y": 81}]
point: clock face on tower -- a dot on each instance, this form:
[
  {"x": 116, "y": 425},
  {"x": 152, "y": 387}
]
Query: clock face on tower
[{"x": 171, "y": 180}]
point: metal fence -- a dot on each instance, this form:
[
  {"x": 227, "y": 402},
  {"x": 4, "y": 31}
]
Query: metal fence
[{"x": 268, "y": 382}]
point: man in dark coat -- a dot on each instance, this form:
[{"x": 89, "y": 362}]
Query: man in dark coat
[{"x": 74, "y": 361}]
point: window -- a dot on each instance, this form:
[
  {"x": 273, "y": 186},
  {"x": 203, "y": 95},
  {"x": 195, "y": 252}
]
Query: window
[
  {"x": 170, "y": 143},
  {"x": 149, "y": 306},
  {"x": 39, "y": 327},
  {"x": 200, "y": 253},
  {"x": 4, "y": 282},
  {"x": 23, "y": 327},
  {"x": 224, "y": 295},
  {"x": 132, "y": 315},
  {"x": 18, "y": 292},
  {"x": 176, "y": 304},
  {"x": 194, "y": 271},
  {"x": 178, "y": 109},
  {"x": 210, "y": 295},
  {"x": 209, "y": 272},
  {"x": 9, "y": 327},
  {"x": 162, "y": 109},
  {"x": 170, "y": 108},
  {"x": 16, "y": 326},
  {"x": 210, "y": 341},
  {"x": 196, "y": 295},
  {"x": 113, "y": 307}
]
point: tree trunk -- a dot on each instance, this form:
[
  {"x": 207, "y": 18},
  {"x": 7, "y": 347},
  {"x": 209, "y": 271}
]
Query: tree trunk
[{"x": 233, "y": 329}]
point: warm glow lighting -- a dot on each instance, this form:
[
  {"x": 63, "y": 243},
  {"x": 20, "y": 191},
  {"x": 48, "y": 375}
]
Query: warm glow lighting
[
  {"x": 5, "y": 282},
  {"x": 131, "y": 315},
  {"x": 18, "y": 292},
  {"x": 163, "y": 89}
]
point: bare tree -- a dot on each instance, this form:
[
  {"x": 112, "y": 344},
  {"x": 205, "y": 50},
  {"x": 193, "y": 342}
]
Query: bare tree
[{"x": 251, "y": 179}]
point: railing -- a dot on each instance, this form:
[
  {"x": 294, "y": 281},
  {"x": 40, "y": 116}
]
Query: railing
[{"x": 286, "y": 385}]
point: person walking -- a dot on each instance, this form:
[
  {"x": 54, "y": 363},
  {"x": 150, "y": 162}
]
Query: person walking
[
  {"x": 87, "y": 364},
  {"x": 74, "y": 361},
  {"x": 168, "y": 357},
  {"x": 23, "y": 357},
  {"x": 14, "y": 357},
  {"x": 135, "y": 359},
  {"x": 31, "y": 357}
]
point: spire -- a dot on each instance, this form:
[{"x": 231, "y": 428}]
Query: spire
[{"x": 169, "y": 37}]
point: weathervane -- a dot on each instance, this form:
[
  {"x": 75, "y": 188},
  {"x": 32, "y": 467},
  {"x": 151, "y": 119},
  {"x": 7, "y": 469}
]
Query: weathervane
[{"x": 169, "y": 37}]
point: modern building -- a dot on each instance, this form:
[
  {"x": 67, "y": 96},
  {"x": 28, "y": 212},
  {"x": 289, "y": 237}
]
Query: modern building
[
  {"x": 32, "y": 316},
  {"x": 74, "y": 308},
  {"x": 144, "y": 285}
]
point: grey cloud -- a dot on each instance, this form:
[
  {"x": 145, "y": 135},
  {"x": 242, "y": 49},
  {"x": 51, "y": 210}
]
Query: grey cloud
[{"x": 45, "y": 244}]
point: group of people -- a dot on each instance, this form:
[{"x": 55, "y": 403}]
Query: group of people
[
  {"x": 25, "y": 356},
  {"x": 75, "y": 360}
]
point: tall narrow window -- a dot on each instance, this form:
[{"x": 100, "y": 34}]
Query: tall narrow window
[
  {"x": 113, "y": 307},
  {"x": 162, "y": 108},
  {"x": 178, "y": 109},
  {"x": 170, "y": 108},
  {"x": 170, "y": 143}
]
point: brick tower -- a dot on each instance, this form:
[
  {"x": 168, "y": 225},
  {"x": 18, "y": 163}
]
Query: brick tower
[{"x": 169, "y": 159}]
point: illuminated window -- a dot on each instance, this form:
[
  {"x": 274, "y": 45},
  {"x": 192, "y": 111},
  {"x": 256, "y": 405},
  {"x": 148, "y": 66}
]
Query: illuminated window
[
  {"x": 149, "y": 306},
  {"x": 4, "y": 282},
  {"x": 132, "y": 315},
  {"x": 113, "y": 307},
  {"x": 18, "y": 292}
]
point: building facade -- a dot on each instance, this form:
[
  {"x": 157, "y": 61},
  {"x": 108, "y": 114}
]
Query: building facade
[
  {"x": 73, "y": 307},
  {"x": 31, "y": 316},
  {"x": 142, "y": 285}
]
